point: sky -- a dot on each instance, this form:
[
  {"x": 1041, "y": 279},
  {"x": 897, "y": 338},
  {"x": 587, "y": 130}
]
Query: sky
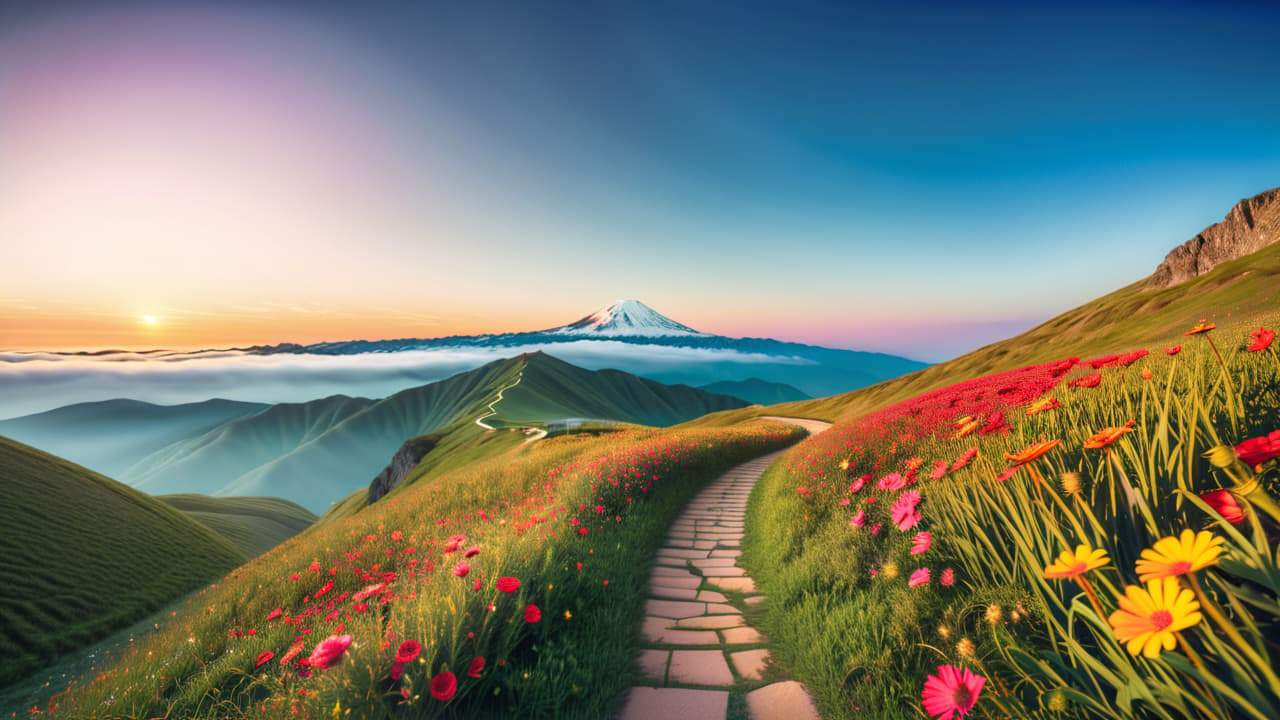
[{"x": 915, "y": 178}]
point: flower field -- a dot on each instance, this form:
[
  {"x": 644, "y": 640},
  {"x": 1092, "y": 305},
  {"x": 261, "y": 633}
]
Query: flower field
[
  {"x": 513, "y": 583},
  {"x": 1076, "y": 539}
]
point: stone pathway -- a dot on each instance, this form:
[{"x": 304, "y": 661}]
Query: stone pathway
[{"x": 698, "y": 648}]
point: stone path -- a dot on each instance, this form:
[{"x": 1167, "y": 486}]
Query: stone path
[{"x": 698, "y": 648}]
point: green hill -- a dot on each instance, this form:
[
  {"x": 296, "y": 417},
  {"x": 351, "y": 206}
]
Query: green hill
[
  {"x": 82, "y": 555},
  {"x": 253, "y": 525},
  {"x": 756, "y": 391}
]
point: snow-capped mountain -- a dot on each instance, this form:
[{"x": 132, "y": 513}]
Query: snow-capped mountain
[{"x": 625, "y": 318}]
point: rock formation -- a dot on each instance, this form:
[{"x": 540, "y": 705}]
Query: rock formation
[
  {"x": 405, "y": 459},
  {"x": 1250, "y": 226}
]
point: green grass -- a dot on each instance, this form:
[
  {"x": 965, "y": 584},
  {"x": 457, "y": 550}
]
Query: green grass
[
  {"x": 83, "y": 555},
  {"x": 516, "y": 508},
  {"x": 864, "y": 644},
  {"x": 253, "y": 525}
]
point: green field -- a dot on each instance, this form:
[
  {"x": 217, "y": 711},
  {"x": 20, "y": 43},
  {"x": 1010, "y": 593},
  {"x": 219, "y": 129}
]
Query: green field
[{"x": 253, "y": 525}]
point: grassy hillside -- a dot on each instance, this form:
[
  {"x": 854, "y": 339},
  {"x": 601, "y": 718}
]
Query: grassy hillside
[
  {"x": 253, "y": 525},
  {"x": 757, "y": 391},
  {"x": 575, "y": 523},
  {"x": 110, "y": 436},
  {"x": 82, "y": 555},
  {"x": 1127, "y": 318}
]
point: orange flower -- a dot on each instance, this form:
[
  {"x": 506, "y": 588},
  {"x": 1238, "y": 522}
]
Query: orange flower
[
  {"x": 1103, "y": 438},
  {"x": 1031, "y": 452},
  {"x": 1043, "y": 404},
  {"x": 1202, "y": 327}
]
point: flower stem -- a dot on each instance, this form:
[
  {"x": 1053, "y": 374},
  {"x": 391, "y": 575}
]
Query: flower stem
[
  {"x": 1093, "y": 596},
  {"x": 1262, "y": 665}
]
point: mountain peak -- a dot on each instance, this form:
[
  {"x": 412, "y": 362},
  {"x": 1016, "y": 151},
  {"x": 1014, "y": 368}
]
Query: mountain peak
[{"x": 625, "y": 318}]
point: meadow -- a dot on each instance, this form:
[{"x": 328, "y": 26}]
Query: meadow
[
  {"x": 1079, "y": 538},
  {"x": 509, "y": 587}
]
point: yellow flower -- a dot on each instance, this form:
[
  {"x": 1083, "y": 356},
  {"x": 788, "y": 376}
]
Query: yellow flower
[
  {"x": 1031, "y": 452},
  {"x": 889, "y": 570},
  {"x": 994, "y": 614},
  {"x": 1071, "y": 564},
  {"x": 965, "y": 648},
  {"x": 844, "y": 464},
  {"x": 1180, "y": 555},
  {"x": 1071, "y": 483},
  {"x": 1148, "y": 618}
]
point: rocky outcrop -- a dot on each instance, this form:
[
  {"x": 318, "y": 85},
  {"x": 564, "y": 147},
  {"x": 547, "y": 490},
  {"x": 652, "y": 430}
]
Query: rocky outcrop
[
  {"x": 405, "y": 459},
  {"x": 1250, "y": 226}
]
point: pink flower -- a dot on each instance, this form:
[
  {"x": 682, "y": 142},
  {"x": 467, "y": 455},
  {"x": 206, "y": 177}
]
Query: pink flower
[
  {"x": 939, "y": 469},
  {"x": 859, "y": 520},
  {"x": 948, "y": 577},
  {"x": 462, "y": 568},
  {"x": 919, "y": 577},
  {"x": 892, "y": 481},
  {"x": 856, "y": 485},
  {"x": 471, "y": 551},
  {"x": 844, "y": 502},
  {"x": 921, "y": 543},
  {"x": 903, "y": 512},
  {"x": 1173, "y": 350},
  {"x": 875, "y": 529},
  {"x": 951, "y": 693},
  {"x": 329, "y": 651}
]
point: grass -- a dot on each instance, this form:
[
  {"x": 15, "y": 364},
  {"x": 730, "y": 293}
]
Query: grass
[
  {"x": 524, "y": 514},
  {"x": 253, "y": 525},
  {"x": 843, "y": 618},
  {"x": 84, "y": 555}
]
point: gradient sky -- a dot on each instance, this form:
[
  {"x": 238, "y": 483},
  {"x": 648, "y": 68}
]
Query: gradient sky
[{"x": 911, "y": 177}]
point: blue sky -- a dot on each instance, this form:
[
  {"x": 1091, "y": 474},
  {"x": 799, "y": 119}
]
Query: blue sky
[{"x": 920, "y": 178}]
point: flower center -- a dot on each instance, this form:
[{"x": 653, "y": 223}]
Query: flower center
[
  {"x": 1161, "y": 619},
  {"x": 1079, "y": 568},
  {"x": 962, "y": 698},
  {"x": 1181, "y": 567}
]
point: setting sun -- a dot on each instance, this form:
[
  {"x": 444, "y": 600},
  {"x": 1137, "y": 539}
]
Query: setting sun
[{"x": 150, "y": 320}]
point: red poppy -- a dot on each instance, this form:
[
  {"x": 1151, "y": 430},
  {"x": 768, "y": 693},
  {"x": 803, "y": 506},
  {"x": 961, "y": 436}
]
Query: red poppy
[
  {"x": 275, "y": 614},
  {"x": 471, "y": 551},
  {"x": 329, "y": 651},
  {"x": 476, "y": 667},
  {"x": 1262, "y": 338},
  {"x": 1225, "y": 504},
  {"x": 1258, "y": 450},
  {"x": 1087, "y": 381},
  {"x": 397, "y": 670},
  {"x": 264, "y": 657},
  {"x": 408, "y": 652},
  {"x": 315, "y": 566},
  {"x": 461, "y": 569},
  {"x": 1173, "y": 350},
  {"x": 368, "y": 591},
  {"x": 508, "y": 584},
  {"x": 396, "y": 535},
  {"x": 532, "y": 614},
  {"x": 444, "y": 685}
]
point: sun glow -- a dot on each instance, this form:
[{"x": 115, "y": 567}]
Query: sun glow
[{"x": 150, "y": 320}]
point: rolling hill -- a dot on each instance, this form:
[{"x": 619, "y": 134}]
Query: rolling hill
[
  {"x": 82, "y": 555},
  {"x": 756, "y": 391},
  {"x": 253, "y": 525}
]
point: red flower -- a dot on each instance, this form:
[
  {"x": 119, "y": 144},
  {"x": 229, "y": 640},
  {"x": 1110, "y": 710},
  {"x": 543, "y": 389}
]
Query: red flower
[
  {"x": 1258, "y": 450},
  {"x": 508, "y": 584},
  {"x": 315, "y": 566},
  {"x": 274, "y": 614},
  {"x": 396, "y": 535},
  {"x": 471, "y": 551},
  {"x": 1087, "y": 381},
  {"x": 461, "y": 569},
  {"x": 476, "y": 667},
  {"x": 368, "y": 591},
  {"x": 964, "y": 458},
  {"x": 444, "y": 685},
  {"x": 951, "y": 693},
  {"x": 1225, "y": 504},
  {"x": 532, "y": 614},
  {"x": 264, "y": 657},
  {"x": 1262, "y": 338},
  {"x": 408, "y": 652},
  {"x": 329, "y": 651},
  {"x": 1173, "y": 350}
]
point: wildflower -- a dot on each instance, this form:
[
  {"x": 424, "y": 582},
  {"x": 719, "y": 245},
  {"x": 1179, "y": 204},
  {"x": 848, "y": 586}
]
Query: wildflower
[
  {"x": 994, "y": 614},
  {"x": 1057, "y": 701},
  {"x": 944, "y": 632},
  {"x": 939, "y": 469},
  {"x": 1173, "y": 350},
  {"x": 329, "y": 651},
  {"x": 948, "y": 577},
  {"x": 1146, "y": 374},
  {"x": 396, "y": 535},
  {"x": 369, "y": 591},
  {"x": 1032, "y": 451},
  {"x": 1261, "y": 339},
  {"x": 508, "y": 584},
  {"x": 875, "y": 529},
  {"x": 904, "y": 514},
  {"x": 1008, "y": 473},
  {"x": 892, "y": 481},
  {"x": 471, "y": 551},
  {"x": 967, "y": 427},
  {"x": 964, "y": 458},
  {"x": 1174, "y": 556},
  {"x": 444, "y": 685},
  {"x": 844, "y": 464},
  {"x": 856, "y": 485},
  {"x": 1201, "y": 327},
  {"x": 532, "y": 614},
  {"x": 921, "y": 543},
  {"x": 965, "y": 648},
  {"x": 1043, "y": 404},
  {"x": 1225, "y": 504},
  {"x": 264, "y": 657},
  {"x": 1148, "y": 618},
  {"x": 408, "y": 651},
  {"x": 275, "y": 614},
  {"x": 951, "y": 693},
  {"x": 1105, "y": 437},
  {"x": 1255, "y": 451},
  {"x": 476, "y": 667},
  {"x": 919, "y": 577},
  {"x": 1071, "y": 483},
  {"x": 859, "y": 520},
  {"x": 1087, "y": 381},
  {"x": 1071, "y": 564},
  {"x": 315, "y": 566},
  {"x": 889, "y": 570},
  {"x": 462, "y": 568}
]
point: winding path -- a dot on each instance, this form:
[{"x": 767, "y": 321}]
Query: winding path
[
  {"x": 480, "y": 420},
  {"x": 698, "y": 649}
]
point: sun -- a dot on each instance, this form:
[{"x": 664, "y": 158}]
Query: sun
[{"x": 150, "y": 320}]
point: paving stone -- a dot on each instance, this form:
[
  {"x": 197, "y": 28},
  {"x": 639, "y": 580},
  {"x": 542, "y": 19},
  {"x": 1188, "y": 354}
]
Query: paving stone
[
  {"x": 719, "y": 609},
  {"x": 653, "y": 664},
  {"x": 723, "y": 543},
  {"x": 705, "y": 544},
  {"x": 674, "y": 609},
  {"x": 710, "y": 622},
  {"x": 682, "y": 553},
  {"x": 781, "y": 701},
  {"x": 753, "y": 600},
  {"x": 677, "y": 543},
  {"x": 699, "y": 667},
  {"x": 689, "y": 582},
  {"x": 749, "y": 663},
  {"x": 734, "y": 584},
  {"x": 726, "y": 553},
  {"x": 710, "y": 596},
  {"x": 723, "y": 572},
  {"x": 646, "y": 703},
  {"x": 672, "y": 562},
  {"x": 656, "y": 630},
  {"x": 670, "y": 593},
  {"x": 741, "y": 636},
  {"x": 670, "y": 572}
]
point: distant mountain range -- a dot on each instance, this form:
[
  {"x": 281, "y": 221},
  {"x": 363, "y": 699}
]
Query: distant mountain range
[{"x": 318, "y": 452}]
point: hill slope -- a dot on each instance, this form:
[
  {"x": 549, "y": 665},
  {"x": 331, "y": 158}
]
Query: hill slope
[
  {"x": 253, "y": 525},
  {"x": 81, "y": 555},
  {"x": 757, "y": 391}
]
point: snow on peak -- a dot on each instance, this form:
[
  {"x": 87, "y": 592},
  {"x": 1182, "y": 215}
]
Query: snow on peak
[{"x": 625, "y": 318}]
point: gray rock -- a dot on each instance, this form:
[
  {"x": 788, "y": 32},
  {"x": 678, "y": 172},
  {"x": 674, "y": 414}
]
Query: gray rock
[
  {"x": 405, "y": 459},
  {"x": 1250, "y": 226}
]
